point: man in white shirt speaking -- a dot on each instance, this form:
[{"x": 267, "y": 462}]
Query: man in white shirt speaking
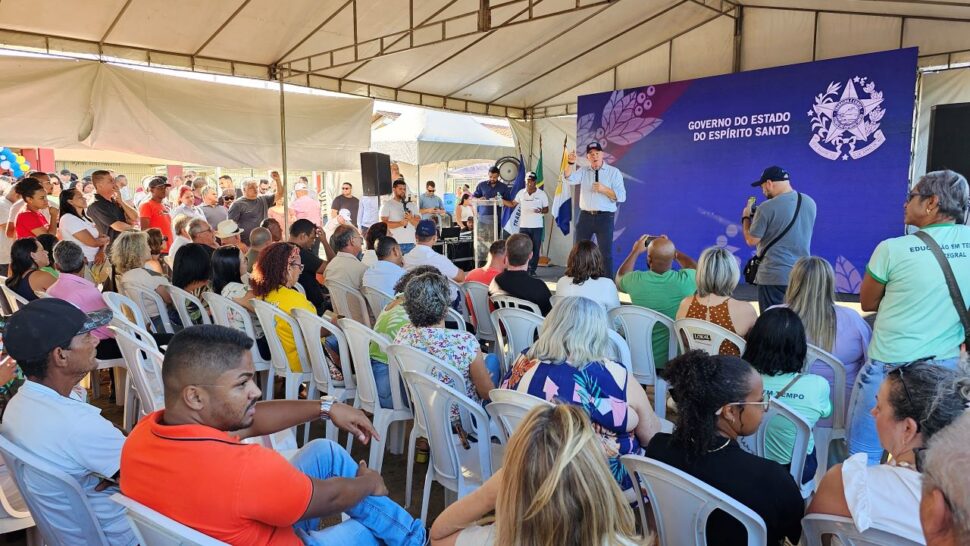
[
  {"x": 533, "y": 204},
  {"x": 600, "y": 189}
]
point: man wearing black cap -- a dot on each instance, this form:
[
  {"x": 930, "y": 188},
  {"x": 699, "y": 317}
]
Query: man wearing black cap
[
  {"x": 765, "y": 228},
  {"x": 52, "y": 343},
  {"x": 155, "y": 211},
  {"x": 600, "y": 189},
  {"x": 486, "y": 221}
]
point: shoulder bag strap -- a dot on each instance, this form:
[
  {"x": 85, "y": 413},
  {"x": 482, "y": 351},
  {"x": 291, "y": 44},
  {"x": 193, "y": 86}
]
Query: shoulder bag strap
[
  {"x": 798, "y": 207},
  {"x": 788, "y": 386},
  {"x": 951, "y": 282}
]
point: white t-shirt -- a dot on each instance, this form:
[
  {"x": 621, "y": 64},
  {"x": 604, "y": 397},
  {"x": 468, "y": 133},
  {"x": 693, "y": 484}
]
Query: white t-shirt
[
  {"x": 394, "y": 211},
  {"x": 5, "y": 242},
  {"x": 70, "y": 224},
  {"x": 601, "y": 290},
  {"x": 425, "y": 255},
  {"x": 527, "y": 204}
]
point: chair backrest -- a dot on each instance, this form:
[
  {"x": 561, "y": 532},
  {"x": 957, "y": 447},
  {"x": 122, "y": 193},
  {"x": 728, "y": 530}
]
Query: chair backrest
[
  {"x": 269, "y": 315},
  {"x": 181, "y": 300},
  {"x": 818, "y": 529},
  {"x": 637, "y": 324},
  {"x": 348, "y": 301},
  {"x": 478, "y": 297},
  {"x": 4, "y": 304},
  {"x": 621, "y": 351},
  {"x": 153, "y": 529},
  {"x": 681, "y": 504},
  {"x": 408, "y": 358},
  {"x": 502, "y": 301},
  {"x": 310, "y": 326},
  {"x": 454, "y": 316},
  {"x": 706, "y": 336},
  {"x": 142, "y": 297},
  {"x": 434, "y": 400},
  {"x": 554, "y": 299},
  {"x": 145, "y": 369},
  {"x": 462, "y": 300},
  {"x": 359, "y": 339},
  {"x": 818, "y": 355},
  {"x": 803, "y": 432},
  {"x": 222, "y": 308},
  {"x": 14, "y": 300},
  {"x": 123, "y": 306},
  {"x": 376, "y": 299},
  {"x": 516, "y": 328},
  {"x": 299, "y": 288},
  {"x": 508, "y": 407},
  {"x": 59, "y": 506},
  {"x": 134, "y": 330}
]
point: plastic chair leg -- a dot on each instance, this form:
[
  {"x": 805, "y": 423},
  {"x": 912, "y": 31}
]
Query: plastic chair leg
[
  {"x": 395, "y": 440},
  {"x": 120, "y": 375},
  {"x": 409, "y": 482},
  {"x": 381, "y": 424},
  {"x": 428, "y": 478}
]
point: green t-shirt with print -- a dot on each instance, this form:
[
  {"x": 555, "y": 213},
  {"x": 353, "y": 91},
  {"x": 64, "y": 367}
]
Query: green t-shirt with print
[
  {"x": 663, "y": 293},
  {"x": 388, "y": 323},
  {"x": 809, "y": 397}
]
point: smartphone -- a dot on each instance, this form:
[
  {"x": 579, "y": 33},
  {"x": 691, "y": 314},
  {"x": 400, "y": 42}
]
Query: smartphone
[
  {"x": 649, "y": 240},
  {"x": 752, "y": 200}
]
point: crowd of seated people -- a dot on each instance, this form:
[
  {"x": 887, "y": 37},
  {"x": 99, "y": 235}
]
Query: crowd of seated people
[{"x": 906, "y": 470}]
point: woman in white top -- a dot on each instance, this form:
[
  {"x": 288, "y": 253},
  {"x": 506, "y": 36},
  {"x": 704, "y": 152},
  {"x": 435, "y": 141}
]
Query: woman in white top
[
  {"x": 586, "y": 277},
  {"x": 464, "y": 213},
  {"x": 77, "y": 227},
  {"x": 916, "y": 401},
  {"x": 129, "y": 254},
  {"x": 554, "y": 471},
  {"x": 374, "y": 233}
]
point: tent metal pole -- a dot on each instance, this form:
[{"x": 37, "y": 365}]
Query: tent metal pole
[{"x": 286, "y": 195}]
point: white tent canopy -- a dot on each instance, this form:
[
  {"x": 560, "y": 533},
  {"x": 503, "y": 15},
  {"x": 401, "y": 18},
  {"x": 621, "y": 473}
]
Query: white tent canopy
[
  {"x": 424, "y": 137},
  {"x": 60, "y": 103}
]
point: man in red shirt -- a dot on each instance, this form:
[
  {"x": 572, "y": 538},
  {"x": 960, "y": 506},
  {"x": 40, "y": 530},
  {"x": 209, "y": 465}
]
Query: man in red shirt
[
  {"x": 154, "y": 211},
  {"x": 496, "y": 264},
  {"x": 188, "y": 463}
]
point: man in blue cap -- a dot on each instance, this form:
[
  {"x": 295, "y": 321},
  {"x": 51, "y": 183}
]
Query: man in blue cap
[
  {"x": 601, "y": 189},
  {"x": 781, "y": 229}
]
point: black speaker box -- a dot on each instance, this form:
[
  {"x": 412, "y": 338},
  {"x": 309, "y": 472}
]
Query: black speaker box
[
  {"x": 375, "y": 172},
  {"x": 949, "y": 146}
]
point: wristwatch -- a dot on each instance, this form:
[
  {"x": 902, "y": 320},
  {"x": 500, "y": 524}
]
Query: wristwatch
[
  {"x": 326, "y": 403},
  {"x": 743, "y": 218}
]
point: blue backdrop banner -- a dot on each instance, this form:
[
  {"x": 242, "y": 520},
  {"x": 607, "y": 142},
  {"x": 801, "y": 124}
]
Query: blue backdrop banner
[{"x": 689, "y": 151}]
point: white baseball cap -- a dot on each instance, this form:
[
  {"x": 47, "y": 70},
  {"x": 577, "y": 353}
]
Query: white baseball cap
[{"x": 300, "y": 186}]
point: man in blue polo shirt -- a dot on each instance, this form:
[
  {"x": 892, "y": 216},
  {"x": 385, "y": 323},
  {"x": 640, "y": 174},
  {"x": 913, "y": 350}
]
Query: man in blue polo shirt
[{"x": 486, "y": 221}]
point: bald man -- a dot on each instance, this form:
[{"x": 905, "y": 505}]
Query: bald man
[
  {"x": 661, "y": 287},
  {"x": 246, "y": 493}
]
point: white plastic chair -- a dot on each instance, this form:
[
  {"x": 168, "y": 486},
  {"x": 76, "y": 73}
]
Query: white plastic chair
[
  {"x": 636, "y": 324},
  {"x": 824, "y": 436},
  {"x": 359, "y": 339},
  {"x": 132, "y": 403},
  {"x": 310, "y": 327},
  {"x": 681, "y": 504},
  {"x": 62, "y": 513},
  {"x": 755, "y": 443},
  {"x": 376, "y": 299},
  {"x": 14, "y": 515},
  {"x": 458, "y": 470},
  {"x": 154, "y": 529},
  {"x": 706, "y": 336},
  {"x": 502, "y": 301},
  {"x": 348, "y": 301},
  {"x": 125, "y": 307},
  {"x": 269, "y": 315},
  {"x": 454, "y": 316},
  {"x": 817, "y": 526},
  {"x": 515, "y": 328},
  {"x": 462, "y": 301},
  {"x": 221, "y": 308},
  {"x": 181, "y": 300},
  {"x": 142, "y": 297},
  {"x": 299, "y": 288},
  {"x": 144, "y": 369},
  {"x": 478, "y": 296},
  {"x": 620, "y": 349},
  {"x": 508, "y": 407},
  {"x": 14, "y": 300}
]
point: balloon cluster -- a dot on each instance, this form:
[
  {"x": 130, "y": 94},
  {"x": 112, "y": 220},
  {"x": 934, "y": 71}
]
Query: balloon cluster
[{"x": 15, "y": 163}]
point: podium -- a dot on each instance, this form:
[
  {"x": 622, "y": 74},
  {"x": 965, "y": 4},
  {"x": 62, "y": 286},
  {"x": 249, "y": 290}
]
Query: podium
[{"x": 485, "y": 235}]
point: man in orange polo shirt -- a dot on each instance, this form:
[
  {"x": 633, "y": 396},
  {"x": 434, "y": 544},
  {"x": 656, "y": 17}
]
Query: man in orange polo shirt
[{"x": 187, "y": 462}]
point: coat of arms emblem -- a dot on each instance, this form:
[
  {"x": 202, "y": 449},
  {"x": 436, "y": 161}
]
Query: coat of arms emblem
[{"x": 847, "y": 126}]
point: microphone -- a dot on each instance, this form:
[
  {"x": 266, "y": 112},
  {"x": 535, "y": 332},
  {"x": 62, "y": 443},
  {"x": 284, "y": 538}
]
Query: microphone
[{"x": 597, "y": 171}]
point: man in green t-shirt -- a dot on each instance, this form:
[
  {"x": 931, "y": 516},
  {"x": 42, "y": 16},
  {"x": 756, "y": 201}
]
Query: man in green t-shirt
[{"x": 660, "y": 288}]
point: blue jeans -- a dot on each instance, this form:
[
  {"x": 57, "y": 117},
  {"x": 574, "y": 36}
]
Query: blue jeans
[
  {"x": 600, "y": 225},
  {"x": 861, "y": 434},
  {"x": 374, "y": 520},
  {"x": 382, "y": 377},
  {"x": 770, "y": 295},
  {"x": 406, "y": 247},
  {"x": 536, "y": 235}
]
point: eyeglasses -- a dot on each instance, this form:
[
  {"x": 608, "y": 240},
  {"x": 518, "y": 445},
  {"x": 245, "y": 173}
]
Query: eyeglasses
[
  {"x": 296, "y": 265},
  {"x": 346, "y": 187},
  {"x": 765, "y": 401},
  {"x": 430, "y": 190}
]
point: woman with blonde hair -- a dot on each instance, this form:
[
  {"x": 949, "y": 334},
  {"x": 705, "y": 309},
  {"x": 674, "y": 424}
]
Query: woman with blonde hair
[
  {"x": 573, "y": 361},
  {"x": 129, "y": 255},
  {"x": 836, "y": 329},
  {"x": 554, "y": 489},
  {"x": 717, "y": 277}
]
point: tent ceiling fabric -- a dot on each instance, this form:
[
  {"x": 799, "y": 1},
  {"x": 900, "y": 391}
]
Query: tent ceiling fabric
[
  {"x": 425, "y": 137},
  {"x": 513, "y": 58},
  {"x": 82, "y": 104}
]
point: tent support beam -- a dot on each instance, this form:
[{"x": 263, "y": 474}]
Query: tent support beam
[
  {"x": 221, "y": 27},
  {"x": 286, "y": 194}
]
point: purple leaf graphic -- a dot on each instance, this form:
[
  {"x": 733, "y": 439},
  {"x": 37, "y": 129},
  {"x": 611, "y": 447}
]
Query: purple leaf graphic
[
  {"x": 630, "y": 131},
  {"x": 847, "y": 277},
  {"x": 611, "y": 105},
  {"x": 619, "y": 112},
  {"x": 584, "y": 131}
]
